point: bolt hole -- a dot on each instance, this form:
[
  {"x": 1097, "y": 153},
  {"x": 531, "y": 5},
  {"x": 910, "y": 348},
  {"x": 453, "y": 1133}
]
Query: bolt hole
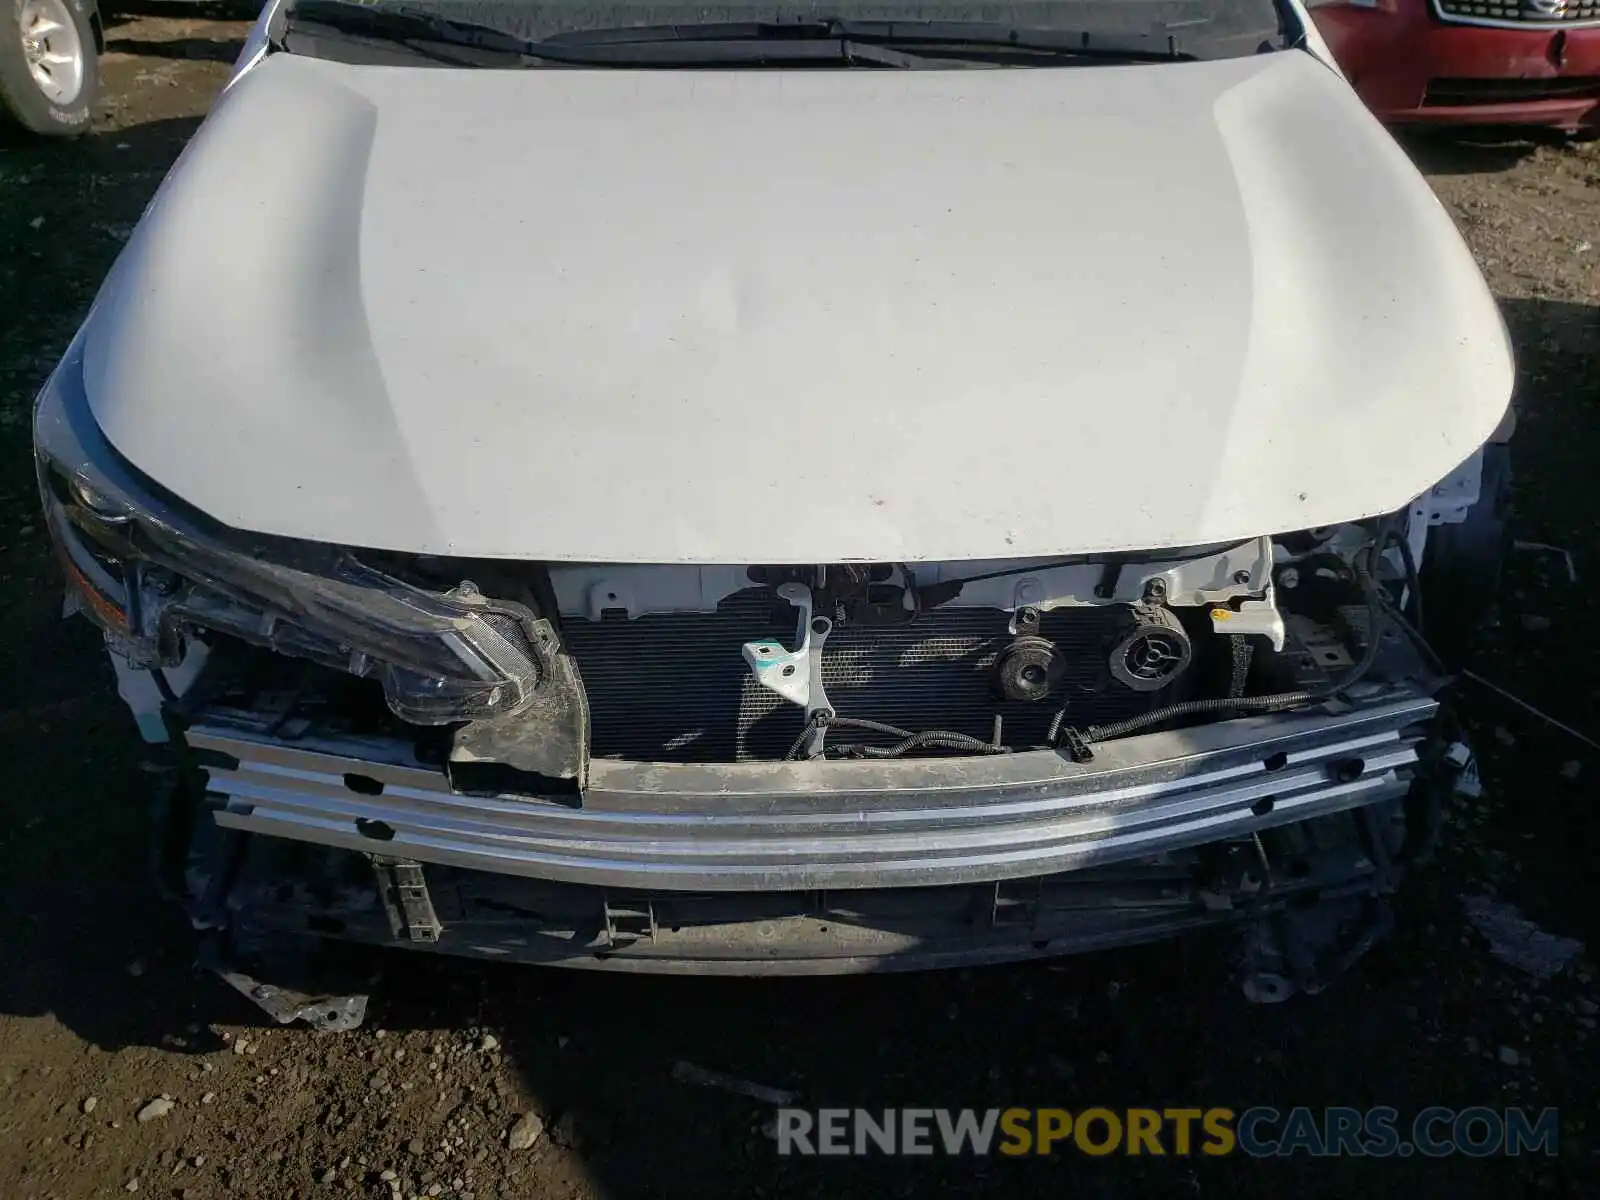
[
  {"x": 1264, "y": 805},
  {"x": 1348, "y": 770},
  {"x": 363, "y": 785},
  {"x": 1275, "y": 762},
  {"x": 380, "y": 831},
  {"x": 821, "y": 625},
  {"x": 788, "y": 671}
]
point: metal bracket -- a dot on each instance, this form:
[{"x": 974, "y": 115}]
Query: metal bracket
[
  {"x": 324, "y": 1011},
  {"x": 796, "y": 674},
  {"x": 1015, "y": 903},
  {"x": 624, "y": 925},
  {"x": 405, "y": 897},
  {"x": 329, "y": 1014},
  {"x": 1260, "y": 617}
]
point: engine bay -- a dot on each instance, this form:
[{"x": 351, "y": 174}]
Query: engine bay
[
  {"x": 771, "y": 663},
  {"x": 749, "y": 679}
]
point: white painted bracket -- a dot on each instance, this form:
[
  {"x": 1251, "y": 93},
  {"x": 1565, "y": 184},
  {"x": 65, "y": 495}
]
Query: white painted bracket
[
  {"x": 1259, "y": 617},
  {"x": 796, "y": 674}
]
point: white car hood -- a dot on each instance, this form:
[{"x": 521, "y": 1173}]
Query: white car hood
[{"x": 794, "y": 316}]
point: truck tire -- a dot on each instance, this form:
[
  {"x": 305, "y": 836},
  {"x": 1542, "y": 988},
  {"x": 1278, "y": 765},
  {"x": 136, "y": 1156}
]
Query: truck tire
[{"x": 49, "y": 72}]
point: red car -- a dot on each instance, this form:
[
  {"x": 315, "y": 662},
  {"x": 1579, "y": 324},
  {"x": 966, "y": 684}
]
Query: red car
[{"x": 1520, "y": 62}]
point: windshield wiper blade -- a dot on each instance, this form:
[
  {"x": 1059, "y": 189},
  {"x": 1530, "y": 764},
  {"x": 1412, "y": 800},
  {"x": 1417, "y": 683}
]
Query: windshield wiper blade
[
  {"x": 732, "y": 51},
  {"x": 1157, "y": 46},
  {"x": 446, "y": 39},
  {"x": 710, "y": 31},
  {"x": 904, "y": 44},
  {"x": 912, "y": 35},
  {"x": 416, "y": 29}
]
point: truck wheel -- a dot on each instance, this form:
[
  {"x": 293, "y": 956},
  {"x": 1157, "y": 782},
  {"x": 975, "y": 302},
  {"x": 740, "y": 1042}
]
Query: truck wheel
[{"x": 49, "y": 73}]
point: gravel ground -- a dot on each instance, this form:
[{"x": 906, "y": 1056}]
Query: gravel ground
[{"x": 124, "y": 1069}]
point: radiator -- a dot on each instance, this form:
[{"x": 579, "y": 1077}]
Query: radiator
[{"x": 674, "y": 687}]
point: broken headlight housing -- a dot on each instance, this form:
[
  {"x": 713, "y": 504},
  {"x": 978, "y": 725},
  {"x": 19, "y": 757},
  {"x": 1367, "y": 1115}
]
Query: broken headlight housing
[{"x": 149, "y": 577}]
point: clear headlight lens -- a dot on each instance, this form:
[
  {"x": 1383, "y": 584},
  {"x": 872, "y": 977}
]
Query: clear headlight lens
[{"x": 441, "y": 657}]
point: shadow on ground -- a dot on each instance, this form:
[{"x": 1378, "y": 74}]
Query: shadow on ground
[
  {"x": 185, "y": 10},
  {"x": 224, "y": 50},
  {"x": 1474, "y": 150}
]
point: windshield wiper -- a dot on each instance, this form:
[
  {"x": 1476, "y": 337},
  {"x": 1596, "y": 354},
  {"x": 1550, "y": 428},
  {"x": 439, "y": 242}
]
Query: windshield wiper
[
  {"x": 445, "y": 39},
  {"x": 425, "y": 34},
  {"x": 942, "y": 36}
]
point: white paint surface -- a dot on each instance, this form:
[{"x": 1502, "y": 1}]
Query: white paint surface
[{"x": 794, "y": 316}]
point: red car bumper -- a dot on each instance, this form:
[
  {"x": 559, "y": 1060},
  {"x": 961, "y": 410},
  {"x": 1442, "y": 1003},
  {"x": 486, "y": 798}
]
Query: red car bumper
[{"x": 1410, "y": 65}]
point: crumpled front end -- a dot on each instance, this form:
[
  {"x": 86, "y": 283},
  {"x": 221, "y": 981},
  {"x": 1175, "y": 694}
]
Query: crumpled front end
[
  {"x": 929, "y": 801},
  {"x": 757, "y": 768},
  {"x": 828, "y": 866}
]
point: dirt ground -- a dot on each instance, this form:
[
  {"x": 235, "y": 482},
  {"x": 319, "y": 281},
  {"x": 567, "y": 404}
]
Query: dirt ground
[{"x": 102, "y": 1008}]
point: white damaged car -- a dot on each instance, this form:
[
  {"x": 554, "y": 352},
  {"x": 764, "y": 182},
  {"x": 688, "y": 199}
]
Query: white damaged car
[{"x": 794, "y": 487}]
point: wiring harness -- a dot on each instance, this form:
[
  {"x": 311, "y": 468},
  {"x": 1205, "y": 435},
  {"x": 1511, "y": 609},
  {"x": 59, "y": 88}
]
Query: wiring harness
[
  {"x": 928, "y": 739},
  {"x": 1080, "y": 741}
]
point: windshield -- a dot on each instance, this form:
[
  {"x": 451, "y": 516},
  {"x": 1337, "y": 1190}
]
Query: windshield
[{"x": 1205, "y": 28}]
